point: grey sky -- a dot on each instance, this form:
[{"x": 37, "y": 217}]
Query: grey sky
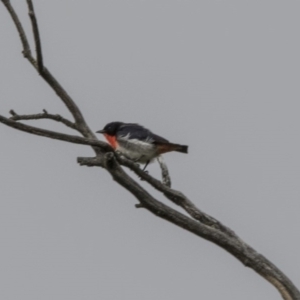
[{"x": 220, "y": 76}]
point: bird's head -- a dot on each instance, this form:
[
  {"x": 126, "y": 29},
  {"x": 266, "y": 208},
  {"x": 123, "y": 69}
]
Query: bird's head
[{"x": 110, "y": 128}]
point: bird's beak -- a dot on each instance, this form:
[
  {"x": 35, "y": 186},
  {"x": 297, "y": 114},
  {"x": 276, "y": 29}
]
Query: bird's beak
[{"x": 101, "y": 131}]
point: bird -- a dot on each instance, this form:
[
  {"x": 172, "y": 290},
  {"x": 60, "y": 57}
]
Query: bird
[{"x": 138, "y": 143}]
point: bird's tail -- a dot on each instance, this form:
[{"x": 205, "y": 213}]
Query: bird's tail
[
  {"x": 167, "y": 147},
  {"x": 180, "y": 148}
]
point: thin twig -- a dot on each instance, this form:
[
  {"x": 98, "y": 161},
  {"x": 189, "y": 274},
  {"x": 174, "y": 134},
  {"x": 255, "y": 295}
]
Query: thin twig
[
  {"x": 23, "y": 37},
  {"x": 37, "y": 39},
  {"x": 44, "y": 115}
]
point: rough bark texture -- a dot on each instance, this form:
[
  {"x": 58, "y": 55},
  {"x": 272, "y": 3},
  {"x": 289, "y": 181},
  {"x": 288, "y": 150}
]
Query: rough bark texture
[{"x": 198, "y": 222}]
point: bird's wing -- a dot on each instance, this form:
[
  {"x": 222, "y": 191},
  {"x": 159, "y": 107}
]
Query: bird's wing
[
  {"x": 136, "y": 131},
  {"x": 158, "y": 139}
]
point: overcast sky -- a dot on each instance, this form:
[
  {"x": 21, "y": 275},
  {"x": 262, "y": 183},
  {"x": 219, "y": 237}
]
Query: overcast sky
[{"x": 220, "y": 76}]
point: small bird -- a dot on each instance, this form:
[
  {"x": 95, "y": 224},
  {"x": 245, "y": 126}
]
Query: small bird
[{"x": 137, "y": 142}]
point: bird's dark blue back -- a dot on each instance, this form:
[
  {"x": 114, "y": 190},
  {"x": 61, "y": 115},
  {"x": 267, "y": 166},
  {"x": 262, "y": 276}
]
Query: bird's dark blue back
[{"x": 136, "y": 131}]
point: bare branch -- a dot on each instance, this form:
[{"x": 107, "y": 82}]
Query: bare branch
[
  {"x": 44, "y": 115},
  {"x": 23, "y": 37},
  {"x": 56, "y": 135},
  {"x": 36, "y": 34}
]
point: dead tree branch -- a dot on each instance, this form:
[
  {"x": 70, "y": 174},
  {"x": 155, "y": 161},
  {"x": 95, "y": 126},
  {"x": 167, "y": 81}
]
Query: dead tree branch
[
  {"x": 196, "y": 222},
  {"x": 36, "y": 34},
  {"x": 26, "y": 48}
]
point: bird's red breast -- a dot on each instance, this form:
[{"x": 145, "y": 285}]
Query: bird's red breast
[{"x": 112, "y": 140}]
